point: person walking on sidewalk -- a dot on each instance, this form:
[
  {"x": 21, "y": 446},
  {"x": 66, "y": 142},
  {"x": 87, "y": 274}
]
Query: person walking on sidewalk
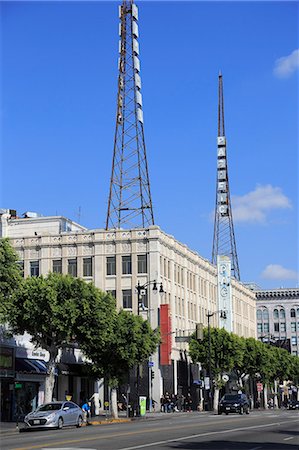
[{"x": 86, "y": 409}]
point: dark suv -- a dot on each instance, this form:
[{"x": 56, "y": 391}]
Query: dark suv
[{"x": 234, "y": 403}]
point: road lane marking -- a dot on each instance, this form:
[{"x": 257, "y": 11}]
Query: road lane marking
[
  {"x": 143, "y": 431},
  {"x": 152, "y": 444},
  {"x": 255, "y": 448},
  {"x": 288, "y": 438}
]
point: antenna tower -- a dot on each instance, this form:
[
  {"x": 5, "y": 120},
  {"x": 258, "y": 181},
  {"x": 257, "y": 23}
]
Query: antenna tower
[
  {"x": 130, "y": 203},
  {"x": 224, "y": 237}
]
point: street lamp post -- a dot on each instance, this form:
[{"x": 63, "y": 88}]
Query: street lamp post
[
  {"x": 209, "y": 315},
  {"x": 139, "y": 288}
]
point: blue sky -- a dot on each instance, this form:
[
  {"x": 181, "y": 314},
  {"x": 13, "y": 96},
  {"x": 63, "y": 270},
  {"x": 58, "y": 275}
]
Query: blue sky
[{"x": 58, "y": 106}]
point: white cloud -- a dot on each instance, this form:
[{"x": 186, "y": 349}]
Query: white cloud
[
  {"x": 277, "y": 272},
  {"x": 287, "y": 65},
  {"x": 254, "y": 206}
]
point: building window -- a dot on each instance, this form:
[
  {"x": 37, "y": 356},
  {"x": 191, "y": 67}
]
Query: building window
[
  {"x": 57, "y": 266},
  {"x": 276, "y": 327},
  {"x": 87, "y": 267},
  {"x": 21, "y": 266},
  {"x": 294, "y": 340},
  {"x": 127, "y": 299},
  {"x": 282, "y": 326},
  {"x": 72, "y": 267},
  {"x": 111, "y": 265},
  {"x": 126, "y": 265},
  {"x": 259, "y": 314},
  {"x": 266, "y": 327},
  {"x": 113, "y": 293},
  {"x": 265, "y": 314},
  {"x": 34, "y": 268},
  {"x": 293, "y": 312},
  {"x": 259, "y": 327},
  {"x": 293, "y": 326},
  {"x": 142, "y": 263},
  {"x": 275, "y": 314},
  {"x": 282, "y": 314}
]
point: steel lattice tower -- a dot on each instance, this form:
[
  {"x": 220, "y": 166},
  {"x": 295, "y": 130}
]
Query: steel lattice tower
[
  {"x": 224, "y": 237},
  {"x": 130, "y": 203}
]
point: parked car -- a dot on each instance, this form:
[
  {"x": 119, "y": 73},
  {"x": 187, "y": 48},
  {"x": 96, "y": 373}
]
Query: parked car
[
  {"x": 234, "y": 403},
  {"x": 294, "y": 404},
  {"x": 55, "y": 415}
]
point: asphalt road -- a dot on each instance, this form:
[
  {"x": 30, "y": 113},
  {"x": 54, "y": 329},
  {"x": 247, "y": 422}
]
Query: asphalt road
[{"x": 261, "y": 430}]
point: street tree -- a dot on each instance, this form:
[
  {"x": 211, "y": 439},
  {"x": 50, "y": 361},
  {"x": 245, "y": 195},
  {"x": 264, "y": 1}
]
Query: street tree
[
  {"x": 10, "y": 273},
  {"x": 131, "y": 343},
  {"x": 57, "y": 310},
  {"x": 221, "y": 355}
]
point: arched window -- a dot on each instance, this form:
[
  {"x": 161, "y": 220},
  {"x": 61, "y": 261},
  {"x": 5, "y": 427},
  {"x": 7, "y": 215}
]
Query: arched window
[
  {"x": 259, "y": 314},
  {"x": 282, "y": 313},
  {"x": 266, "y": 314},
  {"x": 293, "y": 312},
  {"x": 298, "y": 312},
  {"x": 275, "y": 314}
]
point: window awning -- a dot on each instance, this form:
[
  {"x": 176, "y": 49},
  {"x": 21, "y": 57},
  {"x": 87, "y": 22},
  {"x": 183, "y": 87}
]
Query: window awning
[{"x": 32, "y": 366}]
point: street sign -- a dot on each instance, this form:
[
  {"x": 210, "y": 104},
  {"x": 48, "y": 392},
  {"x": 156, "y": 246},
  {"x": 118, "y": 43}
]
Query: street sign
[
  {"x": 18, "y": 385},
  {"x": 259, "y": 387},
  {"x": 151, "y": 364}
]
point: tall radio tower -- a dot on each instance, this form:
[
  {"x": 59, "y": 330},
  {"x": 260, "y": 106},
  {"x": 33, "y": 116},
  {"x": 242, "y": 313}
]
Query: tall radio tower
[
  {"x": 130, "y": 203},
  {"x": 224, "y": 237}
]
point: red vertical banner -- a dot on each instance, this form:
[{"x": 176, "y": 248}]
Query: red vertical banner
[{"x": 165, "y": 330}]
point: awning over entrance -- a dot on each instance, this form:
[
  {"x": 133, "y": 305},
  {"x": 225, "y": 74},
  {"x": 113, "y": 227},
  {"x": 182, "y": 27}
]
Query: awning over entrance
[{"x": 32, "y": 366}]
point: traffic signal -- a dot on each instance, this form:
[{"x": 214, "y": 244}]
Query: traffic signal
[
  {"x": 152, "y": 374},
  {"x": 199, "y": 331}
]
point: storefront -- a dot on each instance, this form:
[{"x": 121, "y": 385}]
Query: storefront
[
  {"x": 7, "y": 375},
  {"x": 29, "y": 385}
]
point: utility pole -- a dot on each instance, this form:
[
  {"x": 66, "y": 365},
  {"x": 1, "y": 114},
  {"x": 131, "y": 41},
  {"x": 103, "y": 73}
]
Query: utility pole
[
  {"x": 224, "y": 236},
  {"x": 130, "y": 202}
]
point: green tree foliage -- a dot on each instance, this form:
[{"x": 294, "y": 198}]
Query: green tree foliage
[
  {"x": 132, "y": 342},
  {"x": 58, "y": 309},
  {"x": 226, "y": 350},
  {"x": 10, "y": 274}
]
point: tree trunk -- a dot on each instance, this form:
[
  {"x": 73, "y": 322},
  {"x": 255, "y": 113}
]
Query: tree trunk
[
  {"x": 216, "y": 399},
  {"x": 265, "y": 396},
  {"x": 50, "y": 378},
  {"x": 113, "y": 402},
  {"x": 275, "y": 395}
]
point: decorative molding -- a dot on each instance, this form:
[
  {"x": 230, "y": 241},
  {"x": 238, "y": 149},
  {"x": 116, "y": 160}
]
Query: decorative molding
[
  {"x": 72, "y": 251},
  {"x": 56, "y": 251},
  {"x": 141, "y": 246},
  {"x": 87, "y": 237},
  {"x": 56, "y": 239},
  {"x": 19, "y": 242},
  {"x": 72, "y": 238},
  {"x": 87, "y": 250},
  {"x": 126, "y": 247},
  {"x": 110, "y": 236},
  {"x": 111, "y": 248}
]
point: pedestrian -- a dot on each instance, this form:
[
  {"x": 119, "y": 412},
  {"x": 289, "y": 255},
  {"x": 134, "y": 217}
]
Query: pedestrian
[{"x": 86, "y": 409}]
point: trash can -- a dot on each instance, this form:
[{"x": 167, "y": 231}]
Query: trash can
[{"x": 130, "y": 411}]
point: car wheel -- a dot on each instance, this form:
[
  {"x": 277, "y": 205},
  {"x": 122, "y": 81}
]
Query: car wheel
[
  {"x": 241, "y": 410},
  {"x": 80, "y": 422},
  {"x": 219, "y": 413},
  {"x": 60, "y": 423},
  {"x": 226, "y": 413}
]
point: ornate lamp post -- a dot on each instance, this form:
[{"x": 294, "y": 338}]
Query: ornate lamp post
[{"x": 140, "y": 289}]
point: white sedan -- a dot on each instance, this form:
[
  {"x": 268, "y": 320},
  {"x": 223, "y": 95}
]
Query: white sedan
[{"x": 55, "y": 415}]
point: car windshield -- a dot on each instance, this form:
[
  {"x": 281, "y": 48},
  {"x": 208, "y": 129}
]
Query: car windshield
[
  {"x": 231, "y": 397},
  {"x": 50, "y": 407}
]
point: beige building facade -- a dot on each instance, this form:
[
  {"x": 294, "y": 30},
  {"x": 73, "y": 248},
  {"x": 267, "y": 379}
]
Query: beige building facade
[{"x": 117, "y": 260}]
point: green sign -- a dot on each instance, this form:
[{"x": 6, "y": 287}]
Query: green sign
[
  {"x": 18, "y": 385},
  {"x": 142, "y": 405}
]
